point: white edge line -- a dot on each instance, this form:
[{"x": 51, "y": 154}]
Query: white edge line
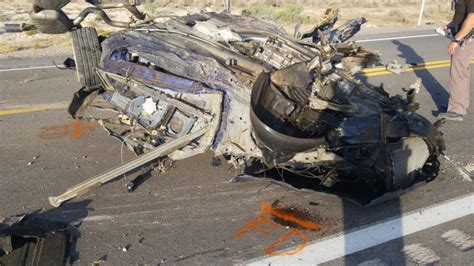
[
  {"x": 398, "y": 38},
  {"x": 343, "y": 244},
  {"x": 27, "y": 68}
]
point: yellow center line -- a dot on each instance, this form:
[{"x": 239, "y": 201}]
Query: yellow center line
[
  {"x": 21, "y": 109},
  {"x": 371, "y": 72}
]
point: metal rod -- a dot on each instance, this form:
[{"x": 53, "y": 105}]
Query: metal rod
[
  {"x": 100, "y": 13},
  {"x": 132, "y": 8},
  {"x": 101, "y": 179},
  {"x": 292, "y": 43}
]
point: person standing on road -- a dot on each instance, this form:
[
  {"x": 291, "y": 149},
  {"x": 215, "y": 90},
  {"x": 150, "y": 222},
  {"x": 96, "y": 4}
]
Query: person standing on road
[{"x": 461, "y": 50}]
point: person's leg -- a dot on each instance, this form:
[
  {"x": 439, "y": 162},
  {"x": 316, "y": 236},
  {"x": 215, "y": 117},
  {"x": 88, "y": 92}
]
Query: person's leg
[{"x": 459, "y": 80}]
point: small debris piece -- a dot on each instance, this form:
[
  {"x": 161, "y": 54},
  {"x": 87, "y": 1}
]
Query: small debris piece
[
  {"x": 396, "y": 68},
  {"x": 30, "y": 163},
  {"x": 36, "y": 157},
  {"x": 100, "y": 260},
  {"x": 216, "y": 161},
  {"x": 69, "y": 63}
]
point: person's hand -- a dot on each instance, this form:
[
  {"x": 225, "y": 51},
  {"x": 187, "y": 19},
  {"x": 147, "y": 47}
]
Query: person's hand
[{"x": 452, "y": 48}]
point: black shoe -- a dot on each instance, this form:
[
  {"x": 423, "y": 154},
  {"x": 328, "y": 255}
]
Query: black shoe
[{"x": 452, "y": 116}]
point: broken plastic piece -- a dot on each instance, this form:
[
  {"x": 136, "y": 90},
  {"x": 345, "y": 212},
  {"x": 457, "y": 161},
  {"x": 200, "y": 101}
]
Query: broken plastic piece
[{"x": 396, "y": 68}]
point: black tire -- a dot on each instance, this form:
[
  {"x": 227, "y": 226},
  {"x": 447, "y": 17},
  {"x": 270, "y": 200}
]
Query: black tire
[{"x": 87, "y": 51}]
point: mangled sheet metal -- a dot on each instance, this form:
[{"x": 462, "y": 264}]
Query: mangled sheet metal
[
  {"x": 31, "y": 240},
  {"x": 266, "y": 101}
]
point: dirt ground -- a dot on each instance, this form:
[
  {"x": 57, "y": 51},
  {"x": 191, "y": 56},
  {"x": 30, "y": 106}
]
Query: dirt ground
[{"x": 34, "y": 44}]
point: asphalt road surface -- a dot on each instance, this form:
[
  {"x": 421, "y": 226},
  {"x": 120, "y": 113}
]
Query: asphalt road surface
[{"x": 192, "y": 214}]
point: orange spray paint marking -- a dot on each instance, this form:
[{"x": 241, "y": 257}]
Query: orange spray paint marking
[
  {"x": 75, "y": 130},
  {"x": 284, "y": 215},
  {"x": 53, "y": 132},
  {"x": 256, "y": 225},
  {"x": 79, "y": 127},
  {"x": 289, "y": 217},
  {"x": 270, "y": 250}
]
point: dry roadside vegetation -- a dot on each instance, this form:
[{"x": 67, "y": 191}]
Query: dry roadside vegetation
[{"x": 287, "y": 12}]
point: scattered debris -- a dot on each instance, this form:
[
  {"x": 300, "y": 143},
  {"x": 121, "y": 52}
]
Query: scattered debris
[
  {"x": 31, "y": 163},
  {"x": 125, "y": 248},
  {"x": 216, "y": 161},
  {"x": 69, "y": 63},
  {"x": 396, "y": 68},
  {"x": 100, "y": 260}
]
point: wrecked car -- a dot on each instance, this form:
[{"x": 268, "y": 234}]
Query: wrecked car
[
  {"x": 272, "y": 104},
  {"x": 31, "y": 239}
]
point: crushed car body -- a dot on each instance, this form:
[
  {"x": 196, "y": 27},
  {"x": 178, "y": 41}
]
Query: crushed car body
[
  {"x": 31, "y": 239},
  {"x": 272, "y": 104}
]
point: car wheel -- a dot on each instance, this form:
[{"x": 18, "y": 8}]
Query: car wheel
[{"x": 87, "y": 51}]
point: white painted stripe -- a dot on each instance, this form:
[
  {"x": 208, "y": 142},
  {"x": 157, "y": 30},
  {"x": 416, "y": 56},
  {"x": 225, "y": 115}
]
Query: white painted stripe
[
  {"x": 350, "y": 242},
  {"x": 98, "y": 218},
  {"x": 359, "y": 41},
  {"x": 420, "y": 254},
  {"x": 28, "y": 68},
  {"x": 397, "y": 38}
]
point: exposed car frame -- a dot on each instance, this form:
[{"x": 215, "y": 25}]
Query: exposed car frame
[{"x": 289, "y": 107}]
